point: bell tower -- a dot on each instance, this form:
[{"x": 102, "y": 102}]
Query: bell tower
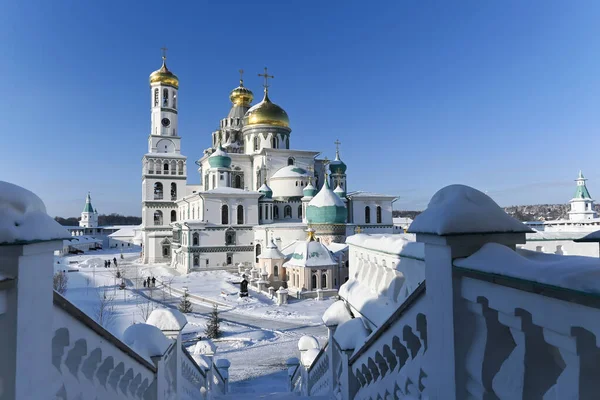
[{"x": 164, "y": 172}]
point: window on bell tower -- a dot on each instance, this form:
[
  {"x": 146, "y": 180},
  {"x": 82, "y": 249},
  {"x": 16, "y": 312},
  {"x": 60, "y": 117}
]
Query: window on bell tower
[
  {"x": 174, "y": 100},
  {"x": 155, "y": 97},
  {"x": 165, "y": 97}
]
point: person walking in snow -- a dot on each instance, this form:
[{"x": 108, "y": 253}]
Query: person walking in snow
[
  {"x": 153, "y": 281},
  {"x": 115, "y": 263},
  {"x": 144, "y": 283},
  {"x": 105, "y": 264},
  {"x": 108, "y": 262},
  {"x": 115, "y": 260},
  {"x": 148, "y": 281}
]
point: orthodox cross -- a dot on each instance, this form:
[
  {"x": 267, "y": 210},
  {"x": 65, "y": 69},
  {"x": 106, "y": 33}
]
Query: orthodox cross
[
  {"x": 337, "y": 145},
  {"x": 241, "y": 71},
  {"x": 310, "y": 169},
  {"x": 164, "y": 52},
  {"x": 266, "y": 76}
]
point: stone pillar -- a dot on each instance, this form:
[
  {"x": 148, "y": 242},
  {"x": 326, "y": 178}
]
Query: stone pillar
[
  {"x": 292, "y": 364},
  {"x": 271, "y": 291},
  {"x": 319, "y": 294},
  {"x": 26, "y": 324},
  {"x": 223, "y": 365},
  {"x": 282, "y": 296}
]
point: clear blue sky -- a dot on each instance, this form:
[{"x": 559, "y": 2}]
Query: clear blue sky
[{"x": 500, "y": 95}]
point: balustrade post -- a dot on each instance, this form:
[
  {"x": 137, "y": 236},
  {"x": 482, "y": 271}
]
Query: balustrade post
[
  {"x": 292, "y": 365},
  {"x": 348, "y": 384}
]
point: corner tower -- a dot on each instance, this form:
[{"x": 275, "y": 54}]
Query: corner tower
[
  {"x": 582, "y": 205},
  {"x": 163, "y": 167},
  {"x": 89, "y": 216}
]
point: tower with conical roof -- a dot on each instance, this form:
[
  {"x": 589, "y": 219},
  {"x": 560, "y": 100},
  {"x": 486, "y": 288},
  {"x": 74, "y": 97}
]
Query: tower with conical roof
[
  {"x": 89, "y": 217},
  {"x": 582, "y": 205},
  {"x": 338, "y": 170},
  {"x": 163, "y": 167}
]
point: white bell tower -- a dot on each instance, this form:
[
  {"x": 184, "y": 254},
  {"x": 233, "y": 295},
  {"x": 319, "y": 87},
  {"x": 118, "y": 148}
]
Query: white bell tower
[
  {"x": 582, "y": 205},
  {"x": 164, "y": 168}
]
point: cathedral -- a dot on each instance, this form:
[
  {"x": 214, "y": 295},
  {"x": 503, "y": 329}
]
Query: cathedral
[{"x": 256, "y": 191}]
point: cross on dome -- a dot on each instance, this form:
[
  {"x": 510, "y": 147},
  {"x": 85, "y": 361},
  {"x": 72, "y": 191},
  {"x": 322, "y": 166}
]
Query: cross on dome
[
  {"x": 266, "y": 76},
  {"x": 164, "y": 52},
  {"x": 241, "y": 71}
]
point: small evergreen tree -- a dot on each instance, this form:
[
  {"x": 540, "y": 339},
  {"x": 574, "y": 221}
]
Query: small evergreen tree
[
  {"x": 212, "y": 326},
  {"x": 185, "y": 305}
]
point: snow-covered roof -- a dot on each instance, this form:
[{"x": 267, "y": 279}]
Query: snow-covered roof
[
  {"x": 460, "y": 209},
  {"x": 572, "y": 272},
  {"x": 290, "y": 171},
  {"x": 336, "y": 247},
  {"x": 359, "y": 193},
  {"x": 167, "y": 319},
  {"x": 230, "y": 190},
  {"x": 272, "y": 252},
  {"x": 23, "y": 217},
  {"x": 165, "y": 155},
  {"x": 591, "y": 237},
  {"x": 311, "y": 254},
  {"x": 542, "y": 235},
  {"x": 147, "y": 340},
  {"x": 81, "y": 239},
  {"x": 351, "y": 335},
  {"x": 402, "y": 220},
  {"x": 336, "y": 314},
  {"x": 400, "y": 244},
  {"x": 128, "y": 231}
]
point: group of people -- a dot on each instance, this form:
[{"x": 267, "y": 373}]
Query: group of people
[
  {"x": 107, "y": 263},
  {"x": 150, "y": 282}
]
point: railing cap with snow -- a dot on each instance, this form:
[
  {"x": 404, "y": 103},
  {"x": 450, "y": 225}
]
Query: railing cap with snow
[
  {"x": 23, "y": 218},
  {"x": 462, "y": 210},
  {"x": 167, "y": 319},
  {"x": 307, "y": 342}
]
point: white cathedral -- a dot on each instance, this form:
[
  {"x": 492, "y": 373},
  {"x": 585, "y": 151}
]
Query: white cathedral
[{"x": 255, "y": 190}]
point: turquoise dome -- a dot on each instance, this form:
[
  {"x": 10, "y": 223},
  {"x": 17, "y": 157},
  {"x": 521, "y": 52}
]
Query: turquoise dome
[
  {"x": 219, "y": 159},
  {"x": 337, "y": 166},
  {"x": 266, "y": 191},
  {"x": 309, "y": 190},
  {"x": 326, "y": 208}
]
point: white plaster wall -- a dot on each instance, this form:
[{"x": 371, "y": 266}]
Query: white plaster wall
[
  {"x": 358, "y": 211},
  {"x": 568, "y": 247}
]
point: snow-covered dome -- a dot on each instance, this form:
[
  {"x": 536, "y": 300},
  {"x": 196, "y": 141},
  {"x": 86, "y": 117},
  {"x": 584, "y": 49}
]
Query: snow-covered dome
[
  {"x": 219, "y": 159},
  {"x": 311, "y": 253},
  {"x": 272, "y": 252},
  {"x": 340, "y": 192},
  {"x": 289, "y": 181},
  {"x": 167, "y": 319},
  {"x": 326, "y": 207},
  {"x": 266, "y": 190},
  {"x": 309, "y": 190},
  {"x": 23, "y": 217}
]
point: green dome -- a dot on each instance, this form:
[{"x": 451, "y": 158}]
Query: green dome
[
  {"x": 266, "y": 190},
  {"x": 337, "y": 166},
  {"x": 326, "y": 208},
  {"x": 219, "y": 159},
  {"x": 309, "y": 190}
]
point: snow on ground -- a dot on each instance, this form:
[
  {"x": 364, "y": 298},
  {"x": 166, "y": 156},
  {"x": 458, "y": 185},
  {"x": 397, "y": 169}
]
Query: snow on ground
[{"x": 258, "y": 336}]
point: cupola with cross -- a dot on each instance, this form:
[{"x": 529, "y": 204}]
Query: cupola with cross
[
  {"x": 266, "y": 125},
  {"x": 338, "y": 170}
]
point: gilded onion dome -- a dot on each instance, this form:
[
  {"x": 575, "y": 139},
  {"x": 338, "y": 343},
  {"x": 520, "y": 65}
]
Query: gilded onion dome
[
  {"x": 241, "y": 95},
  {"x": 267, "y": 113},
  {"x": 164, "y": 76}
]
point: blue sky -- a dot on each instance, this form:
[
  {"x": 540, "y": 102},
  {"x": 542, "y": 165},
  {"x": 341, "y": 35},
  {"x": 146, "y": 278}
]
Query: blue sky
[{"x": 500, "y": 95}]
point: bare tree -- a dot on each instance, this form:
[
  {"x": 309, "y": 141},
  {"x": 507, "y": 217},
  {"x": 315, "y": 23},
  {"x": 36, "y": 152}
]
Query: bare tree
[
  {"x": 169, "y": 280},
  {"x": 105, "y": 310},
  {"x": 145, "y": 308},
  {"x": 60, "y": 282}
]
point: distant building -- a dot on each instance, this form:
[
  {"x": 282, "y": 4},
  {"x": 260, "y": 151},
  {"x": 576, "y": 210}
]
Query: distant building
[{"x": 401, "y": 224}]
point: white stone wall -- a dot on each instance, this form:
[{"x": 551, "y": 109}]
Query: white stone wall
[{"x": 565, "y": 247}]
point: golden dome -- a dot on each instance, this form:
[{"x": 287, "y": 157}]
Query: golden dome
[
  {"x": 267, "y": 113},
  {"x": 241, "y": 96},
  {"x": 164, "y": 76}
]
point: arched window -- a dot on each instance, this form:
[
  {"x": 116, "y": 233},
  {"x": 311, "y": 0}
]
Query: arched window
[
  {"x": 378, "y": 213},
  {"x": 180, "y": 163},
  {"x": 155, "y": 97},
  {"x": 275, "y": 271},
  {"x": 165, "y": 97},
  {"x": 313, "y": 282},
  {"x": 274, "y": 142},
  {"x": 158, "y": 191},
  {"x": 287, "y": 142},
  {"x": 205, "y": 182},
  {"x": 260, "y": 212},
  {"x": 173, "y": 191},
  {"x": 290, "y": 161},
  {"x": 258, "y": 251},
  {"x": 238, "y": 181},
  {"x": 174, "y": 100},
  {"x": 300, "y": 211},
  {"x": 158, "y": 217},
  {"x": 166, "y": 251},
  {"x": 287, "y": 212},
  {"x": 255, "y": 143},
  {"x": 367, "y": 215},
  {"x": 165, "y": 168},
  {"x": 173, "y": 216},
  {"x": 275, "y": 212},
  {"x": 324, "y": 281},
  {"x": 230, "y": 238},
  {"x": 196, "y": 261},
  {"x": 240, "y": 214},
  {"x": 214, "y": 181},
  {"x": 225, "y": 214},
  {"x": 195, "y": 239}
]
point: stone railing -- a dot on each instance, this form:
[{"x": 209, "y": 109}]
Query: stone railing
[
  {"x": 220, "y": 379},
  {"x": 318, "y": 374},
  {"x": 88, "y": 362},
  {"x": 296, "y": 382},
  {"x": 194, "y": 378},
  {"x": 523, "y": 340}
]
